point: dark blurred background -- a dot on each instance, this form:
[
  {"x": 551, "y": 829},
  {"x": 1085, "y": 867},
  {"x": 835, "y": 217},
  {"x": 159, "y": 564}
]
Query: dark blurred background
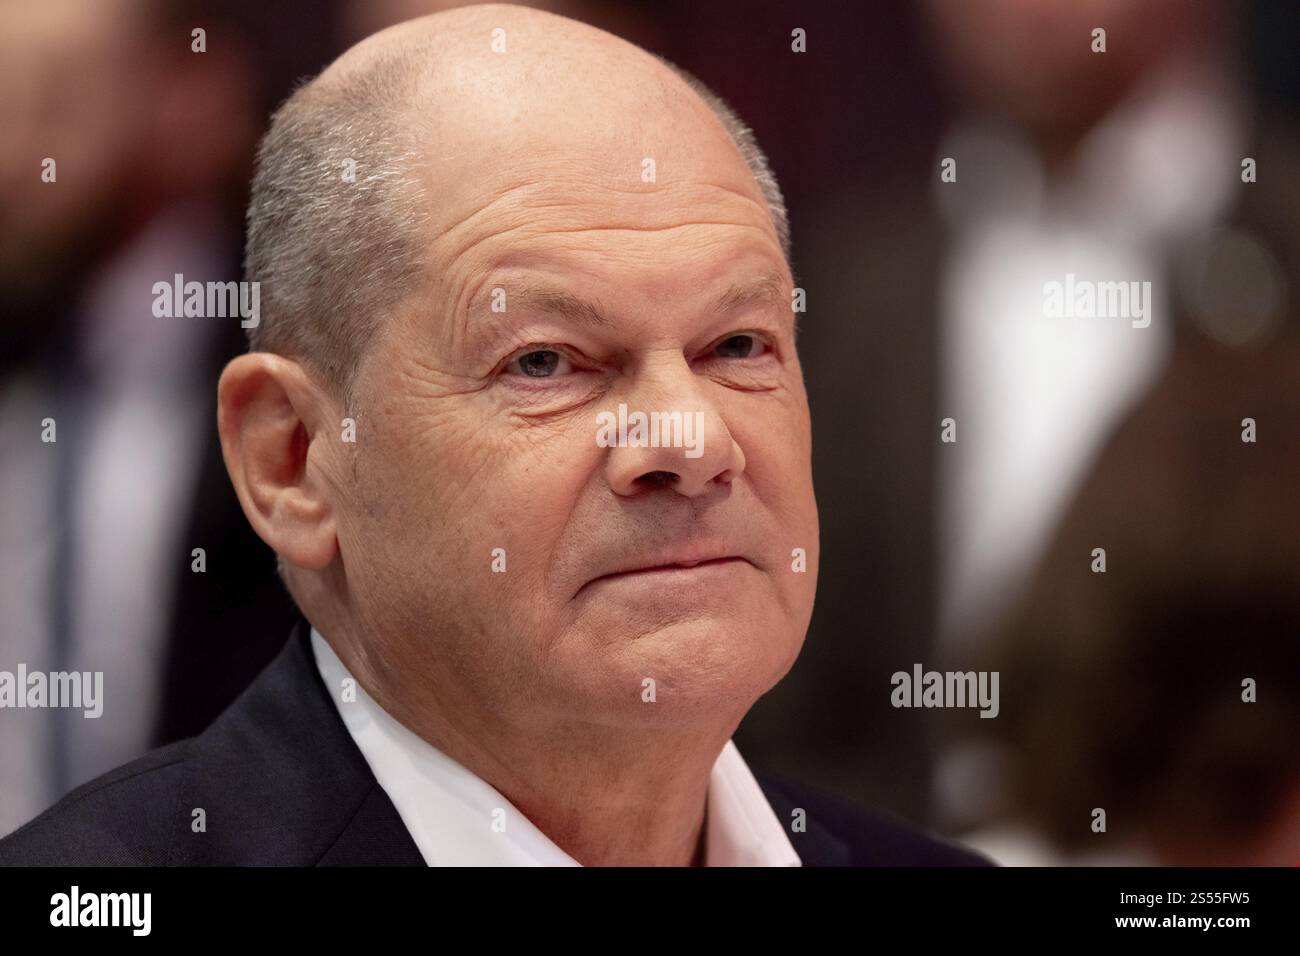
[{"x": 924, "y": 302}]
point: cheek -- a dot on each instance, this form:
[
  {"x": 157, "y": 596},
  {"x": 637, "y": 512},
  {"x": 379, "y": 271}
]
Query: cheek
[
  {"x": 536, "y": 500},
  {"x": 494, "y": 499},
  {"x": 777, "y": 446},
  {"x": 777, "y": 442}
]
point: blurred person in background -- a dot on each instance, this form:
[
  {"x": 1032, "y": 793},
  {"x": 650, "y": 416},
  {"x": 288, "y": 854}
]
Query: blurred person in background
[
  {"x": 1128, "y": 691},
  {"x": 1122, "y": 165},
  {"x": 152, "y": 143},
  {"x": 926, "y": 299},
  {"x": 1114, "y": 165}
]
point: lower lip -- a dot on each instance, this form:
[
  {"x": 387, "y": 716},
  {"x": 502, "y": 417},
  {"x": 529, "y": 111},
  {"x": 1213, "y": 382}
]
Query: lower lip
[{"x": 674, "y": 575}]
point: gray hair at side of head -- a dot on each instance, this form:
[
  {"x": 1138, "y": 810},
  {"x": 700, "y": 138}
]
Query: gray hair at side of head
[{"x": 338, "y": 218}]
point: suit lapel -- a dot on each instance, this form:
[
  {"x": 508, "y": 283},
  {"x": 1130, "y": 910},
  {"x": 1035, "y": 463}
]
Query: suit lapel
[
  {"x": 816, "y": 845},
  {"x": 280, "y": 781}
]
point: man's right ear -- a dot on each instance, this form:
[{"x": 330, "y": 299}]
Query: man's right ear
[{"x": 270, "y": 415}]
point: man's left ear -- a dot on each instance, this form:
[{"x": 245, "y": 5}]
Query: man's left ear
[{"x": 271, "y": 416}]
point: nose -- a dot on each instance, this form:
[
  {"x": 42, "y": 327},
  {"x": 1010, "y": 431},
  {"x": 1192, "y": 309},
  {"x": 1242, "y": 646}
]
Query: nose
[{"x": 669, "y": 434}]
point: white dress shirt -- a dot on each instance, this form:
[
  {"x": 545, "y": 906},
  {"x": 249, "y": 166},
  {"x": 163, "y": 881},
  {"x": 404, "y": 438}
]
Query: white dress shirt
[{"x": 450, "y": 812}]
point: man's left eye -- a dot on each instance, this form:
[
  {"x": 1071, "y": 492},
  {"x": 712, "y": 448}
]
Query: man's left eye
[
  {"x": 540, "y": 363},
  {"x": 739, "y": 346}
]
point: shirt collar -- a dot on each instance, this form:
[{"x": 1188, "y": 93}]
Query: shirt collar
[{"x": 458, "y": 819}]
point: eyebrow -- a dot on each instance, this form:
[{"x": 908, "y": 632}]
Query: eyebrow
[
  {"x": 765, "y": 290},
  {"x": 574, "y": 308}
]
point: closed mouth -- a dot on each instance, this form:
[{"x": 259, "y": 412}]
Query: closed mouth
[{"x": 666, "y": 568}]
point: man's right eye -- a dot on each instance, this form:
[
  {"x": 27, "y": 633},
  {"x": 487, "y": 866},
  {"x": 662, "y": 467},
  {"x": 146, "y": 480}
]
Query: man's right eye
[{"x": 540, "y": 363}]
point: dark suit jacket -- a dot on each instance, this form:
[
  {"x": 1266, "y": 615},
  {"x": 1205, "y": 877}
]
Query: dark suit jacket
[{"x": 280, "y": 782}]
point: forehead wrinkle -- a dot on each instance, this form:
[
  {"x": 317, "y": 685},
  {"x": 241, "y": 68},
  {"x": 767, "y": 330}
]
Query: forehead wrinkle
[
  {"x": 480, "y": 210},
  {"x": 580, "y": 202}
]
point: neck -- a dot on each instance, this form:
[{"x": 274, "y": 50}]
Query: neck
[
  {"x": 608, "y": 792},
  {"x": 607, "y": 796}
]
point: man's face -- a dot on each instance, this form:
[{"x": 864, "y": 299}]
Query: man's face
[{"x": 478, "y": 430}]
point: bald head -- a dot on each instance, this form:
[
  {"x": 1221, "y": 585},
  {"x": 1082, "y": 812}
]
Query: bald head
[{"x": 374, "y": 175}]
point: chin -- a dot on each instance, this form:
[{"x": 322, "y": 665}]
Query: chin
[{"x": 702, "y": 666}]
